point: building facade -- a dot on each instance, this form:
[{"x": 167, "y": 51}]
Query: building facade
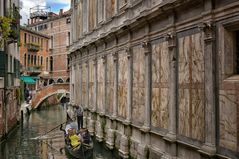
[
  {"x": 158, "y": 78},
  {"x": 9, "y": 68},
  {"x": 57, "y": 27},
  {"x": 34, "y": 55}
]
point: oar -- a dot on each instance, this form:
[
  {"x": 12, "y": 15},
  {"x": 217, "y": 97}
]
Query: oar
[{"x": 50, "y": 130}]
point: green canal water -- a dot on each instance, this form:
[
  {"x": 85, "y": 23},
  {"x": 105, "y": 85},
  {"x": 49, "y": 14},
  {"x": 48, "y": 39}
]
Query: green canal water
[{"x": 29, "y": 142}]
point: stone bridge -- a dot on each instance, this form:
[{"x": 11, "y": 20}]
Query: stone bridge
[{"x": 48, "y": 91}]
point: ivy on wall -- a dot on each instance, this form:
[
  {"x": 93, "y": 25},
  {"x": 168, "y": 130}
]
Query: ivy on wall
[{"x": 5, "y": 29}]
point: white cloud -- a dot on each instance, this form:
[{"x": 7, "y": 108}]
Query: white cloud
[
  {"x": 27, "y": 4},
  {"x": 25, "y": 10}
]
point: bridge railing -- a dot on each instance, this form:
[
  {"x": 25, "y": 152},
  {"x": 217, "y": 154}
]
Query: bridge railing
[{"x": 45, "y": 92}]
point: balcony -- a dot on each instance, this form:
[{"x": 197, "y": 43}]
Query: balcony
[
  {"x": 33, "y": 70},
  {"x": 32, "y": 47}
]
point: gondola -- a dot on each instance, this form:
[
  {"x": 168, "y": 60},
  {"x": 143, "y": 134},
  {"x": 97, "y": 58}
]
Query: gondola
[{"x": 84, "y": 151}]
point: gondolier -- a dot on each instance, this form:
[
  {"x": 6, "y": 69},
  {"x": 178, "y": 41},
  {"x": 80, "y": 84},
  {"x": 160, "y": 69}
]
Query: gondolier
[
  {"x": 80, "y": 149},
  {"x": 79, "y": 113}
]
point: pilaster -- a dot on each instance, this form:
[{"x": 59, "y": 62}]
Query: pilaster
[
  {"x": 104, "y": 84},
  {"x": 95, "y": 86},
  {"x": 210, "y": 99},
  {"x": 80, "y": 83},
  {"x": 172, "y": 127},
  {"x": 129, "y": 86},
  {"x": 147, "y": 52}
]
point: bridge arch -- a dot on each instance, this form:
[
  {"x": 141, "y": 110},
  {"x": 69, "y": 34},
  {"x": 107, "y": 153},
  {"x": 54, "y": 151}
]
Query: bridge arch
[{"x": 48, "y": 91}]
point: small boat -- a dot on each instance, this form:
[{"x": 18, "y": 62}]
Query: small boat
[{"x": 84, "y": 150}]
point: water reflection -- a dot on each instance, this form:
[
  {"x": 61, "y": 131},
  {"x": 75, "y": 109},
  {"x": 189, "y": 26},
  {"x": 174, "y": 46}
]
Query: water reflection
[{"x": 36, "y": 138}]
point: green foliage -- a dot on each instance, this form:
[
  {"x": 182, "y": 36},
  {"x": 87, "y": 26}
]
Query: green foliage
[
  {"x": 9, "y": 26},
  {"x": 5, "y": 29}
]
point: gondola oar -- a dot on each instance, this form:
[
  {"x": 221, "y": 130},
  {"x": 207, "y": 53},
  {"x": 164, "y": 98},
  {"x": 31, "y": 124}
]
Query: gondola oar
[{"x": 50, "y": 130}]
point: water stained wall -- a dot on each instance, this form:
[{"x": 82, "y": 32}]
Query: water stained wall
[{"x": 161, "y": 84}]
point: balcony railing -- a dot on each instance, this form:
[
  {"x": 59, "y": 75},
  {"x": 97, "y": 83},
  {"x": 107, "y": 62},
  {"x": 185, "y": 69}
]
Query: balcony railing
[
  {"x": 33, "y": 69},
  {"x": 32, "y": 47}
]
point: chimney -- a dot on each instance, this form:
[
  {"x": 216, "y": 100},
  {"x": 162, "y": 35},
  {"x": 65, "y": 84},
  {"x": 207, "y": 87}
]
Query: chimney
[{"x": 61, "y": 12}]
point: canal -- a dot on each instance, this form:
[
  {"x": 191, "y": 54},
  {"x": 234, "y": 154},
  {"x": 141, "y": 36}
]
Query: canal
[{"x": 30, "y": 141}]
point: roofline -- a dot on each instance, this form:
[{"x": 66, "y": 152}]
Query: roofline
[
  {"x": 65, "y": 14},
  {"x": 34, "y": 32}
]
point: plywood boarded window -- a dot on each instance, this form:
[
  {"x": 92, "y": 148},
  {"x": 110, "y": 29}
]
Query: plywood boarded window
[
  {"x": 110, "y": 8},
  {"x": 100, "y": 13},
  {"x": 122, "y": 84},
  {"x": 110, "y": 84},
  {"x": 138, "y": 102},
  {"x": 92, "y": 14},
  {"x": 191, "y": 86},
  {"x": 160, "y": 84},
  {"x": 84, "y": 84},
  {"x": 91, "y": 83},
  {"x": 100, "y": 85}
]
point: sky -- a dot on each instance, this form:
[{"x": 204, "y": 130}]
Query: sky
[{"x": 55, "y": 6}]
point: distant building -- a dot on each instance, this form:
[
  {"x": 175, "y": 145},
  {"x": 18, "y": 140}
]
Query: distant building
[
  {"x": 9, "y": 69},
  {"x": 34, "y": 58},
  {"x": 57, "y": 27},
  {"x": 159, "y": 79}
]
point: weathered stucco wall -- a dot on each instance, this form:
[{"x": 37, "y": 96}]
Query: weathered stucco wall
[{"x": 158, "y": 79}]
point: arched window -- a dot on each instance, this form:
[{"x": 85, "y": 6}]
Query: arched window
[
  {"x": 41, "y": 60},
  {"x": 32, "y": 60},
  {"x": 60, "y": 80},
  {"x": 35, "y": 59},
  {"x": 46, "y": 63},
  {"x": 51, "y": 81},
  {"x": 51, "y": 63},
  {"x": 25, "y": 59},
  {"x": 45, "y": 83},
  {"x": 28, "y": 60}
]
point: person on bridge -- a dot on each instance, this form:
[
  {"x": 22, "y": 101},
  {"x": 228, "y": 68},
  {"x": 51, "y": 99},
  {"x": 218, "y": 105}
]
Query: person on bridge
[
  {"x": 26, "y": 93},
  {"x": 79, "y": 113},
  {"x": 63, "y": 101}
]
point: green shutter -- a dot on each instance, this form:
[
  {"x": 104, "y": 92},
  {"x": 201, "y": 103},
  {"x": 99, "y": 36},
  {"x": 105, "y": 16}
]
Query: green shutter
[{"x": 3, "y": 61}]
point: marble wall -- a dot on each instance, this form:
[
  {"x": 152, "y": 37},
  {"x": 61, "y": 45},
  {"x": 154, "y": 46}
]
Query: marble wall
[
  {"x": 77, "y": 85},
  {"x": 171, "y": 91},
  {"x": 191, "y": 86},
  {"x": 110, "y": 84},
  {"x": 160, "y": 85},
  {"x": 228, "y": 92},
  {"x": 122, "y": 83},
  {"x": 100, "y": 86},
  {"x": 84, "y": 84},
  {"x": 138, "y": 101},
  {"x": 91, "y": 83}
]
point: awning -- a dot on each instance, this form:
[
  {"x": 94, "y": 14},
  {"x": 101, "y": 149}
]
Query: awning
[{"x": 28, "y": 80}]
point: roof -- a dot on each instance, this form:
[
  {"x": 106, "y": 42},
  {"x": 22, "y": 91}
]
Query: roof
[
  {"x": 52, "y": 18},
  {"x": 34, "y": 32}
]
